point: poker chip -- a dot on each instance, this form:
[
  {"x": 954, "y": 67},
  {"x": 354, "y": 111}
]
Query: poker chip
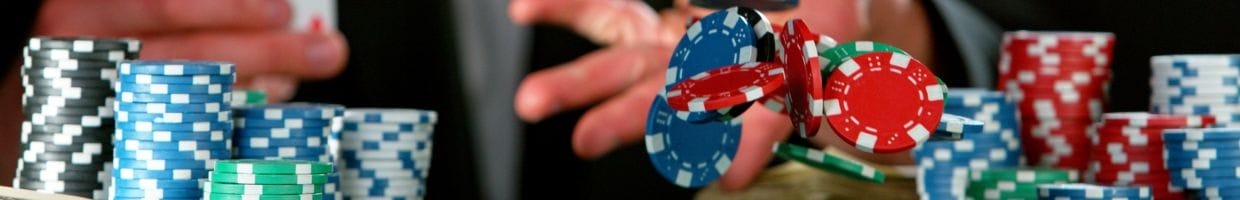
[
  {"x": 41, "y": 146},
  {"x": 388, "y": 115},
  {"x": 804, "y": 99},
  {"x": 223, "y": 177},
  {"x": 719, "y": 39},
  {"x": 84, "y": 44},
  {"x": 282, "y": 152},
  {"x": 397, "y": 168},
  {"x": 291, "y": 110},
  {"x": 1128, "y": 150},
  {"x": 270, "y": 179},
  {"x": 35, "y": 82},
  {"x": 82, "y": 120},
  {"x": 103, "y": 111},
  {"x": 176, "y": 98},
  {"x": 285, "y": 123},
  {"x": 252, "y": 166},
  {"x": 173, "y": 117},
  {"x": 182, "y": 145},
  {"x": 56, "y": 186},
  {"x": 179, "y": 80},
  {"x": 201, "y": 126},
  {"x": 899, "y": 126},
  {"x": 162, "y": 164},
  {"x": 284, "y": 133},
  {"x": 673, "y": 144},
  {"x": 824, "y": 161},
  {"x": 176, "y": 67},
  {"x": 169, "y": 136},
  {"x": 174, "y": 89},
  {"x": 52, "y": 175},
  {"x": 51, "y": 73},
  {"x": 176, "y": 174},
  {"x": 725, "y": 87},
  {"x": 836, "y": 56},
  {"x": 217, "y": 196},
  {"x": 67, "y": 102},
  {"x": 1013, "y": 182},
  {"x": 60, "y": 54},
  {"x": 156, "y": 184},
  {"x": 954, "y": 127},
  {"x": 225, "y": 188},
  {"x": 157, "y": 193},
  {"x": 214, "y": 107},
  {"x": 174, "y": 154},
  {"x": 1088, "y": 191}
]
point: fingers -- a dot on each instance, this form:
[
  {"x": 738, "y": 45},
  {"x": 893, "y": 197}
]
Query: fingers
[
  {"x": 762, "y": 129},
  {"x": 131, "y": 17},
  {"x": 301, "y": 55},
  {"x": 599, "y": 75},
  {"x": 621, "y": 120},
  {"x": 602, "y": 21}
]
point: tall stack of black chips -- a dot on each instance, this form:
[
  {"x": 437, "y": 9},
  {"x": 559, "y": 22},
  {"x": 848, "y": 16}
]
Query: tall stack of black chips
[{"x": 67, "y": 103}]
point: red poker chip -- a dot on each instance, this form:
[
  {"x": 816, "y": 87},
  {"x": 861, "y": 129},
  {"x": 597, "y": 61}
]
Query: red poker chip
[
  {"x": 1144, "y": 119},
  {"x": 1048, "y": 108},
  {"x": 726, "y": 87},
  {"x": 804, "y": 80},
  {"x": 1141, "y": 137},
  {"x": 883, "y": 102},
  {"x": 777, "y": 103},
  {"x": 1152, "y": 178}
]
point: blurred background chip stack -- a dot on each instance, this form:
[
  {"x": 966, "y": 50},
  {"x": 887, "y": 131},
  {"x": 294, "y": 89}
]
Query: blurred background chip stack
[
  {"x": 67, "y": 132},
  {"x": 944, "y": 165},
  {"x": 292, "y": 131},
  {"x": 1059, "y": 82},
  {"x": 386, "y": 153},
  {"x": 1196, "y": 85}
]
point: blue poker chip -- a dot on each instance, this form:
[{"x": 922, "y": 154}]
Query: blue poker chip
[
  {"x": 383, "y": 173},
  {"x": 1089, "y": 191},
  {"x": 1213, "y": 172},
  {"x": 175, "y": 67},
  {"x": 212, "y": 107},
  {"x": 125, "y": 116},
  {"x": 386, "y": 127},
  {"x": 264, "y": 142},
  {"x": 175, "y": 98},
  {"x": 290, "y": 110},
  {"x": 1193, "y": 109},
  {"x": 1199, "y": 182},
  {"x": 1181, "y": 100},
  {"x": 686, "y": 154},
  {"x": 283, "y": 133},
  {"x": 1219, "y": 145},
  {"x": 380, "y": 136},
  {"x": 176, "y": 80},
  {"x": 381, "y": 191},
  {"x": 157, "y": 193},
  {"x": 172, "y": 174},
  {"x": 954, "y": 127},
  {"x": 1219, "y": 191},
  {"x": 169, "y": 136},
  {"x": 723, "y": 114},
  {"x": 1230, "y": 89},
  {"x": 174, "y": 155},
  {"x": 183, "y": 145},
  {"x": 171, "y": 89},
  {"x": 1174, "y": 163},
  {"x": 281, "y": 152},
  {"x": 390, "y": 115},
  {"x": 255, "y": 123},
  {"x": 381, "y": 145},
  {"x": 380, "y": 164},
  {"x": 195, "y": 127},
  {"x": 156, "y": 184},
  {"x": 1177, "y": 135},
  {"x": 378, "y": 154},
  {"x": 162, "y": 164},
  {"x": 718, "y": 39}
]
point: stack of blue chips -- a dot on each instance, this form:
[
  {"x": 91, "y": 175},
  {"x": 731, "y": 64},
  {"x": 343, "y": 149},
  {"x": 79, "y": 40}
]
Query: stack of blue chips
[
  {"x": 386, "y": 153},
  {"x": 1204, "y": 160},
  {"x": 1197, "y": 85},
  {"x": 172, "y": 123},
  {"x": 944, "y": 165},
  {"x": 293, "y": 131}
]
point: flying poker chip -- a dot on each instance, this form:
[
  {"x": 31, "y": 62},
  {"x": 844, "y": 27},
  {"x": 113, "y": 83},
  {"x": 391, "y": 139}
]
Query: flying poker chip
[
  {"x": 726, "y": 87},
  {"x": 799, "y": 54},
  {"x": 954, "y": 127},
  {"x": 687, "y": 154},
  {"x": 827, "y": 162},
  {"x": 883, "y": 102},
  {"x": 719, "y": 39},
  {"x": 836, "y": 56}
]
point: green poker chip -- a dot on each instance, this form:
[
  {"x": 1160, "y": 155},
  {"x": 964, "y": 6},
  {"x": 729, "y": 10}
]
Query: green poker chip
[
  {"x": 229, "y": 188},
  {"x": 1027, "y": 175},
  {"x": 249, "y": 97},
  {"x": 834, "y": 57},
  {"x": 218, "y": 196},
  {"x": 251, "y": 166},
  {"x": 224, "y": 177},
  {"x": 829, "y": 163}
]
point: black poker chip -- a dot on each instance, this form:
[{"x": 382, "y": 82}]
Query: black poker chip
[
  {"x": 73, "y": 158},
  {"x": 85, "y": 44},
  {"x": 58, "y": 185},
  {"x": 84, "y": 120},
  {"x": 78, "y": 193},
  {"x": 66, "y": 82},
  {"x": 107, "y": 74},
  {"x": 108, "y": 55},
  {"x": 40, "y": 146},
  {"x": 55, "y": 175},
  {"x": 68, "y": 64},
  {"x": 62, "y": 110},
  {"x": 60, "y": 165},
  {"x": 62, "y": 139},
  {"x": 76, "y": 93},
  {"x": 60, "y": 101},
  {"x": 73, "y": 129}
]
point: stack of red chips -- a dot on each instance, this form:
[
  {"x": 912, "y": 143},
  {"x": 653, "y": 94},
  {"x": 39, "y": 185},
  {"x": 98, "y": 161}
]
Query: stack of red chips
[
  {"x": 1128, "y": 150},
  {"x": 1059, "y": 81}
]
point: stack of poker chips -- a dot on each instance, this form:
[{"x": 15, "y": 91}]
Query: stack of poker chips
[
  {"x": 944, "y": 165},
  {"x": 1128, "y": 150},
  {"x": 68, "y": 116},
  {"x": 173, "y": 122},
  {"x": 1196, "y": 85},
  {"x": 386, "y": 152},
  {"x": 1014, "y": 183},
  {"x": 1059, "y": 82},
  {"x": 293, "y": 131},
  {"x": 267, "y": 179},
  {"x": 1087, "y": 191},
  {"x": 1204, "y": 160}
]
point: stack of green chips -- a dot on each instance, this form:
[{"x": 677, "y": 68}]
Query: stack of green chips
[
  {"x": 267, "y": 179},
  {"x": 1014, "y": 183},
  {"x": 248, "y": 97}
]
